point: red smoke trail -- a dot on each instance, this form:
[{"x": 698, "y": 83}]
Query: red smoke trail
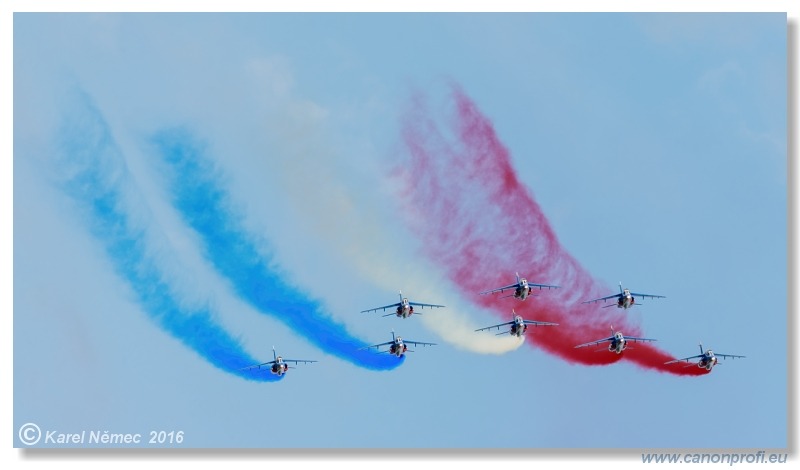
[{"x": 482, "y": 225}]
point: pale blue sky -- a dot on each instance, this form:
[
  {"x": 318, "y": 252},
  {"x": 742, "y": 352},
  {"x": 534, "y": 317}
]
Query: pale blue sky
[{"x": 675, "y": 124}]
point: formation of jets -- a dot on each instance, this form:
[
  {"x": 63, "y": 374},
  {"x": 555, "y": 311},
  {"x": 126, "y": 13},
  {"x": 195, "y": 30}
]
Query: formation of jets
[{"x": 617, "y": 342}]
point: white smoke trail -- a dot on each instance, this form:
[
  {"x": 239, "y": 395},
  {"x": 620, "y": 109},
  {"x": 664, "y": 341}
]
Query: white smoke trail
[{"x": 346, "y": 203}]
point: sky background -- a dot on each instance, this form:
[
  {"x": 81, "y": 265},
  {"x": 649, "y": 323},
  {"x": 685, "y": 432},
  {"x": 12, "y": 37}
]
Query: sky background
[{"x": 653, "y": 144}]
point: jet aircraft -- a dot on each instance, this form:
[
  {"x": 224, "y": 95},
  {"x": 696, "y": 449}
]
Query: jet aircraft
[
  {"x": 278, "y": 365},
  {"x": 404, "y": 308},
  {"x": 398, "y": 346},
  {"x": 625, "y": 298},
  {"x": 617, "y": 341},
  {"x": 522, "y": 288},
  {"x": 708, "y": 359},
  {"x": 518, "y": 325}
]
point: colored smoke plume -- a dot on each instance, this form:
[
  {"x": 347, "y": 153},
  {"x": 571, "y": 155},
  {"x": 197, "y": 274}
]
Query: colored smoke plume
[
  {"x": 482, "y": 225},
  {"x": 93, "y": 172}
]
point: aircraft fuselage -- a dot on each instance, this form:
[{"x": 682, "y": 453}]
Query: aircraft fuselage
[
  {"x": 398, "y": 349},
  {"x": 707, "y": 362},
  {"x": 618, "y": 344},
  {"x": 518, "y": 328},
  {"x": 404, "y": 310},
  {"x": 522, "y": 293}
]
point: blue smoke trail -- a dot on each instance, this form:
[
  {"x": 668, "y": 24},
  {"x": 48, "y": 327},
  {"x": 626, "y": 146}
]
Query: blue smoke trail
[
  {"x": 206, "y": 207},
  {"x": 96, "y": 178}
]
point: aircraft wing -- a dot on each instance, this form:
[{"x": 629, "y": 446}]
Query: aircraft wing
[
  {"x": 539, "y": 323},
  {"x": 495, "y": 326},
  {"x": 687, "y": 359},
  {"x": 543, "y": 286},
  {"x": 732, "y": 356},
  {"x": 417, "y": 304},
  {"x": 649, "y": 296},
  {"x": 634, "y": 338},
  {"x": 615, "y": 296},
  {"x": 592, "y": 343},
  {"x": 382, "y": 308},
  {"x": 299, "y": 361},
  {"x": 377, "y": 346},
  {"x": 418, "y": 343},
  {"x": 258, "y": 366},
  {"x": 500, "y": 289}
]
